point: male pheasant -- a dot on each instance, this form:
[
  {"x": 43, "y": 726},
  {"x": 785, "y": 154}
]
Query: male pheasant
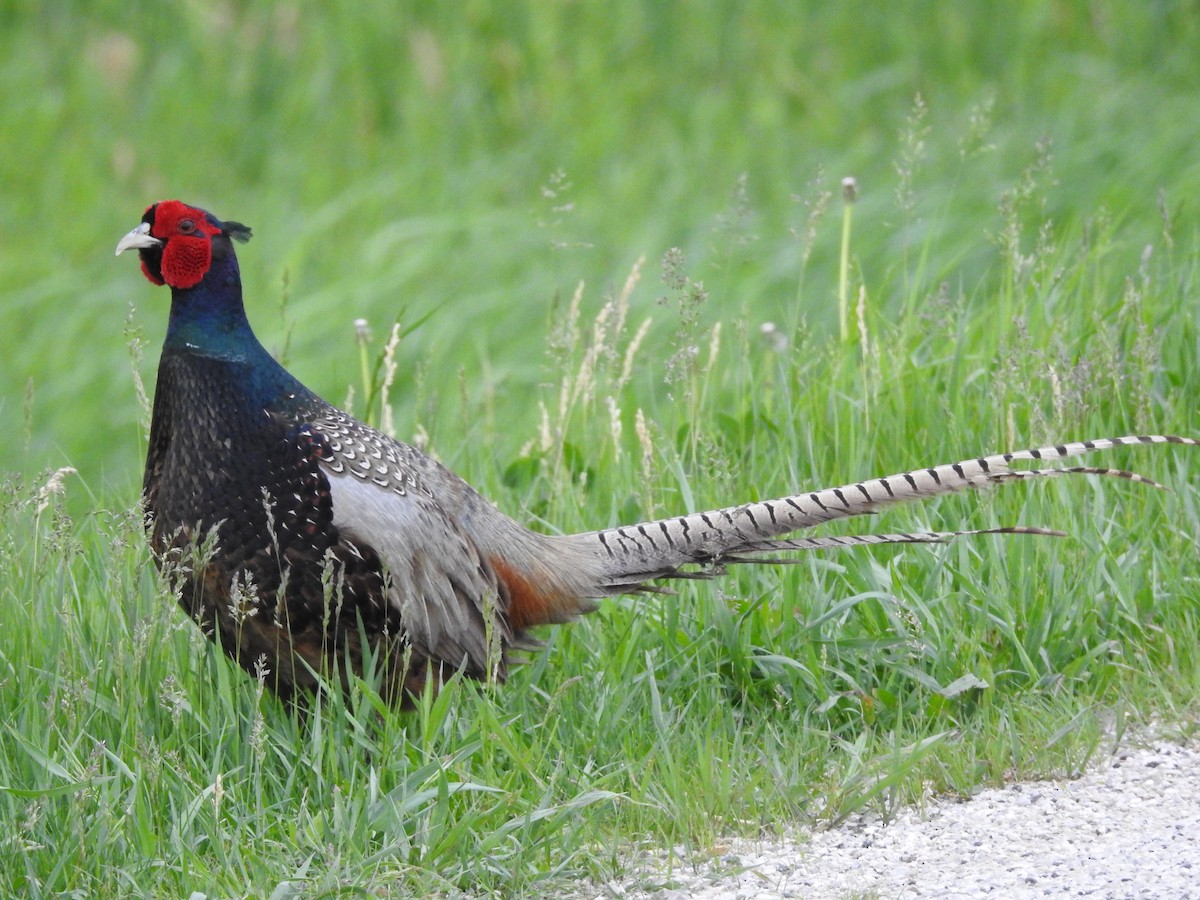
[{"x": 305, "y": 541}]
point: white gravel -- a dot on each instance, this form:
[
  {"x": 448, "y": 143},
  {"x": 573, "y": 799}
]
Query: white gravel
[{"x": 1130, "y": 827}]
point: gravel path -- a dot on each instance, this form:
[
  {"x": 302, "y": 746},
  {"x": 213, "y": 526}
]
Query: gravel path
[{"x": 1129, "y": 828}]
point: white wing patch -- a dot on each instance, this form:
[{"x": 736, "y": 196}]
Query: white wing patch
[{"x": 435, "y": 576}]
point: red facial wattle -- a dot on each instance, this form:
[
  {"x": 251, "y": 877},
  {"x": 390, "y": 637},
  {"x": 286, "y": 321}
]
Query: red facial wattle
[{"x": 187, "y": 236}]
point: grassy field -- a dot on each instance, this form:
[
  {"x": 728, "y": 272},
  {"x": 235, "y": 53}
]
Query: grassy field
[{"x": 524, "y": 188}]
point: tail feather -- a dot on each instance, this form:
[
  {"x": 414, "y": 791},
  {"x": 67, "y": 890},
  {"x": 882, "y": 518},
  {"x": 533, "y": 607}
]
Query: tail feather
[
  {"x": 865, "y": 540},
  {"x": 630, "y": 555}
]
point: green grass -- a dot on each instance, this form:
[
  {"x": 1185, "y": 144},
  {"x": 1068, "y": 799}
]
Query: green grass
[{"x": 1025, "y": 243}]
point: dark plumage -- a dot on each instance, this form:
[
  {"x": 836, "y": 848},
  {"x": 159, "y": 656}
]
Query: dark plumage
[{"x": 296, "y": 534}]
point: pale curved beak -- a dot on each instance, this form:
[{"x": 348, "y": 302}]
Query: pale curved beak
[{"x": 138, "y": 239}]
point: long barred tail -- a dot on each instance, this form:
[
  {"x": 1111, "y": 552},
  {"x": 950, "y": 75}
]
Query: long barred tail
[{"x": 633, "y": 554}]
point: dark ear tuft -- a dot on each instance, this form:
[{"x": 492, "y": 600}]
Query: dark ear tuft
[{"x": 237, "y": 231}]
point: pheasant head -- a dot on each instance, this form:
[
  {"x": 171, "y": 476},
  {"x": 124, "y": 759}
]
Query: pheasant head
[
  {"x": 177, "y": 242},
  {"x": 191, "y": 251}
]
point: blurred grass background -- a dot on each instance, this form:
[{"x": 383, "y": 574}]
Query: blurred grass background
[
  {"x": 400, "y": 158},
  {"x": 1025, "y": 244}
]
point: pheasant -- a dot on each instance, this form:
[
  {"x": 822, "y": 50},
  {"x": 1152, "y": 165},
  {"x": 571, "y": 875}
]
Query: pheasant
[{"x": 310, "y": 545}]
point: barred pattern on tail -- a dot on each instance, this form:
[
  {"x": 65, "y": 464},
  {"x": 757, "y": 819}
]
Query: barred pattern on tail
[{"x": 649, "y": 550}]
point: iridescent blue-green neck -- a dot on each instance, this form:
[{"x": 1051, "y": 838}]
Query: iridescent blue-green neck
[
  {"x": 209, "y": 318},
  {"x": 209, "y": 321}
]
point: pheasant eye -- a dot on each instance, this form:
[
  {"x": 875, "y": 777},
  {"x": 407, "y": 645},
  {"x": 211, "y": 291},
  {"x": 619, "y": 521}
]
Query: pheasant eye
[{"x": 186, "y": 226}]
